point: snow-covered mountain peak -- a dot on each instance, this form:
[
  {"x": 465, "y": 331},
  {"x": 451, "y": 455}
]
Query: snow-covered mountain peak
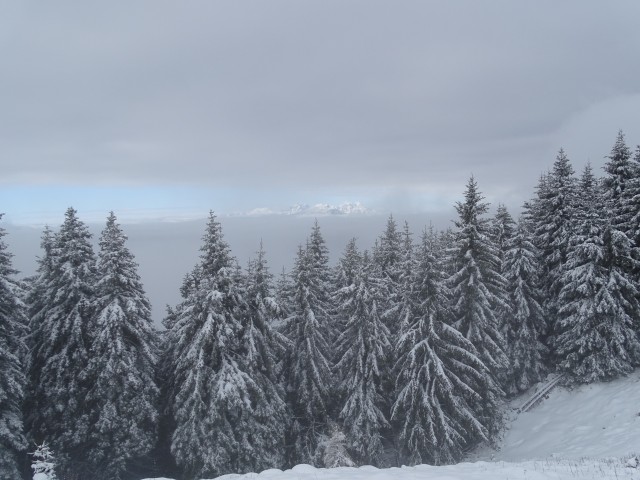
[
  {"x": 316, "y": 210},
  {"x": 346, "y": 208}
]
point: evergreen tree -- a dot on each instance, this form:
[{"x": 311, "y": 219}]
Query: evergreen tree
[
  {"x": 43, "y": 465},
  {"x": 320, "y": 275},
  {"x": 503, "y": 229},
  {"x": 526, "y": 325},
  {"x": 478, "y": 288},
  {"x": 308, "y": 373},
  {"x": 390, "y": 255},
  {"x": 633, "y": 201},
  {"x": 208, "y": 389},
  {"x": 333, "y": 450},
  {"x": 262, "y": 427},
  {"x": 362, "y": 348},
  {"x": 59, "y": 342},
  {"x": 12, "y": 380},
  {"x": 348, "y": 265},
  {"x": 617, "y": 185},
  {"x": 599, "y": 309},
  {"x": 283, "y": 294},
  {"x": 446, "y": 400},
  {"x": 554, "y": 228},
  {"x": 123, "y": 396},
  {"x": 345, "y": 275},
  {"x": 405, "y": 283}
]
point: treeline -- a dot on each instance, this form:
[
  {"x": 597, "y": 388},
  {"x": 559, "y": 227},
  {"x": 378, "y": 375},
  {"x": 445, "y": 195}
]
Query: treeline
[{"x": 402, "y": 354}]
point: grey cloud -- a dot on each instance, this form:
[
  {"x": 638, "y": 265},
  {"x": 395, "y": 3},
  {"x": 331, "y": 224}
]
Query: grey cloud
[{"x": 308, "y": 93}]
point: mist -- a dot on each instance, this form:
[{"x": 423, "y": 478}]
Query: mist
[{"x": 166, "y": 251}]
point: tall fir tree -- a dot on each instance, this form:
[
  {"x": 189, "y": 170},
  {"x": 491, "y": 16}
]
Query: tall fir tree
[
  {"x": 12, "y": 379},
  {"x": 478, "y": 288},
  {"x": 123, "y": 398},
  {"x": 596, "y": 336},
  {"x": 345, "y": 274},
  {"x": 389, "y": 255},
  {"x": 503, "y": 229},
  {"x": 321, "y": 279},
  {"x": 348, "y": 265},
  {"x": 308, "y": 376},
  {"x": 59, "y": 347},
  {"x": 263, "y": 426},
  {"x": 526, "y": 325},
  {"x": 633, "y": 201},
  {"x": 620, "y": 173},
  {"x": 446, "y": 400},
  {"x": 208, "y": 388},
  {"x": 554, "y": 217},
  {"x": 363, "y": 347},
  {"x": 389, "y": 252}
]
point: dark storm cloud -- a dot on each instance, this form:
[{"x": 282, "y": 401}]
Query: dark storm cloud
[{"x": 408, "y": 94}]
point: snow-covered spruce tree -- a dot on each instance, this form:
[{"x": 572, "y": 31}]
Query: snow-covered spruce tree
[
  {"x": 208, "y": 387},
  {"x": 362, "y": 350},
  {"x": 633, "y": 201},
  {"x": 348, "y": 265},
  {"x": 388, "y": 254},
  {"x": 333, "y": 449},
  {"x": 620, "y": 172},
  {"x": 503, "y": 229},
  {"x": 553, "y": 223},
  {"x": 619, "y": 189},
  {"x": 389, "y": 257},
  {"x": 43, "y": 464},
  {"x": 478, "y": 288},
  {"x": 399, "y": 311},
  {"x": 446, "y": 400},
  {"x": 122, "y": 400},
  {"x": 59, "y": 342},
  {"x": 321, "y": 280},
  {"x": 405, "y": 284},
  {"x": 596, "y": 337},
  {"x": 344, "y": 276},
  {"x": 308, "y": 376},
  {"x": 526, "y": 325},
  {"x": 261, "y": 428},
  {"x": 12, "y": 379}
]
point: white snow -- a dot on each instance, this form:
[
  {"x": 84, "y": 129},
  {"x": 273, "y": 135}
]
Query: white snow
[
  {"x": 589, "y": 432},
  {"x": 599, "y": 420},
  {"x": 532, "y": 470}
]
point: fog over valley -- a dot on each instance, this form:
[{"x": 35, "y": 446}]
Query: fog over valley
[{"x": 166, "y": 251}]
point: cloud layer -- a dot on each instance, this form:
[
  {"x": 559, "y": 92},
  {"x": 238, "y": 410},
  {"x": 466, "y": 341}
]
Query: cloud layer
[{"x": 402, "y": 98}]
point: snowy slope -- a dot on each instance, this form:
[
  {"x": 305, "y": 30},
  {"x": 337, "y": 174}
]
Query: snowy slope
[
  {"x": 535, "y": 470},
  {"x": 600, "y": 420},
  {"x": 588, "y": 432}
]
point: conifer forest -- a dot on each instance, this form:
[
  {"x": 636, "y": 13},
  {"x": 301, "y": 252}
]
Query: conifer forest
[{"x": 402, "y": 354}]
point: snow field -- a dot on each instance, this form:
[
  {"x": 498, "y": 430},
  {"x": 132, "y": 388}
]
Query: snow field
[
  {"x": 549, "y": 469},
  {"x": 601, "y": 420}
]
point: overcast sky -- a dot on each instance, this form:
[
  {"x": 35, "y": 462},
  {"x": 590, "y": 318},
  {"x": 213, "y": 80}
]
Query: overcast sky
[
  {"x": 153, "y": 106},
  {"x": 166, "y": 109}
]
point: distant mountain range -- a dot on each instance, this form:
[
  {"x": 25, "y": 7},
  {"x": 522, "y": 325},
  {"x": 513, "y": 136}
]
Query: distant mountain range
[{"x": 319, "y": 209}]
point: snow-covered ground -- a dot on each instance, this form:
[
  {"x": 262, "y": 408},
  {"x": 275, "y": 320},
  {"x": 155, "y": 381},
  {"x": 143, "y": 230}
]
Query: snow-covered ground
[
  {"x": 533, "y": 470},
  {"x": 600, "y": 420},
  {"x": 589, "y": 432}
]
